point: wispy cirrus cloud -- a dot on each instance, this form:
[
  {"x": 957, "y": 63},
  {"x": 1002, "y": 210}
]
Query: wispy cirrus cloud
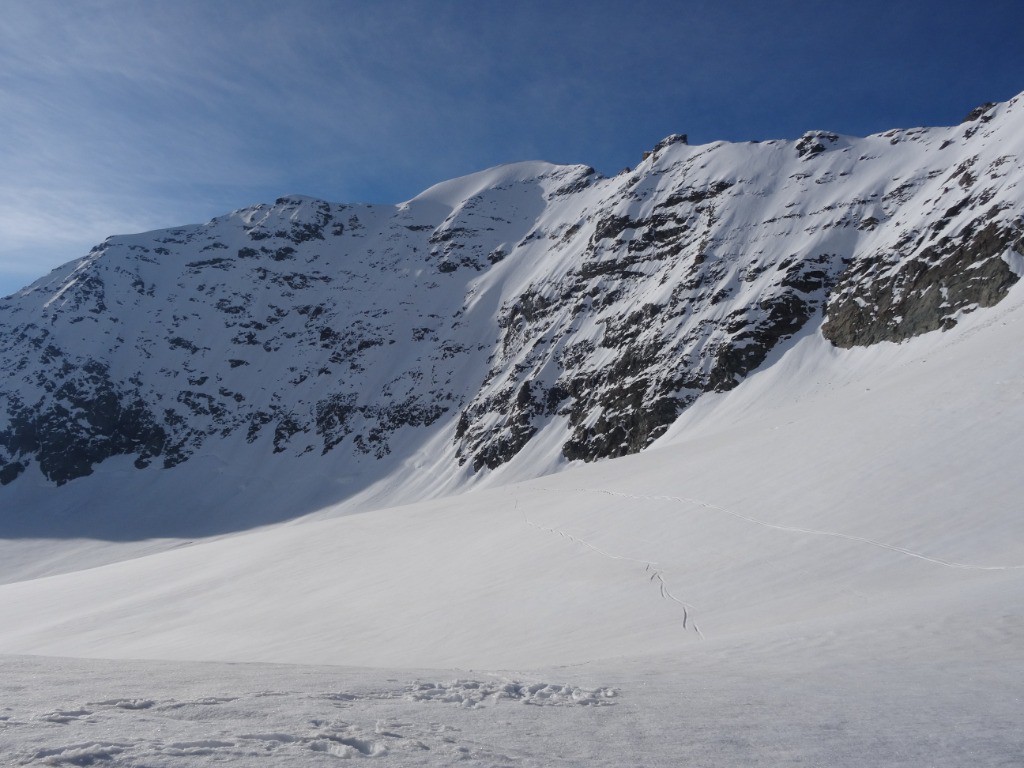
[{"x": 124, "y": 116}]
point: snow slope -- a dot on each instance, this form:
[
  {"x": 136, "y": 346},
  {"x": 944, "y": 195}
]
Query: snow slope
[
  {"x": 824, "y": 565},
  {"x": 817, "y": 557},
  {"x": 833, "y": 482}
]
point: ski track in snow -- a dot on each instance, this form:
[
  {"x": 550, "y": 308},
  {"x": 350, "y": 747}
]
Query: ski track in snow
[
  {"x": 657, "y": 574},
  {"x": 795, "y": 529}
]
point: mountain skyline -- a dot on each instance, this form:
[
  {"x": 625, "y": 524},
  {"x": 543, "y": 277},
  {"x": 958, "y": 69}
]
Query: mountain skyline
[{"x": 347, "y": 103}]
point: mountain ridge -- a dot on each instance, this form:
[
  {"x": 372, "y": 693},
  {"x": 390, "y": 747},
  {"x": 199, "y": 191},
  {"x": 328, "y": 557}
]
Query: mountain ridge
[{"x": 527, "y": 304}]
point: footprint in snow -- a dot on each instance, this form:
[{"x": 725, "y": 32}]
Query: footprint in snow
[{"x": 472, "y": 694}]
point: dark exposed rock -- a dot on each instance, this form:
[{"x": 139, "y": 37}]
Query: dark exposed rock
[
  {"x": 782, "y": 316},
  {"x": 611, "y": 227},
  {"x": 979, "y": 113},
  {"x": 281, "y": 254},
  {"x": 513, "y": 435},
  {"x": 332, "y": 417},
  {"x": 696, "y": 195},
  {"x": 218, "y": 263},
  {"x": 10, "y": 471},
  {"x": 875, "y": 301},
  {"x": 389, "y": 418},
  {"x": 288, "y": 426},
  {"x": 447, "y": 235},
  {"x": 89, "y": 420},
  {"x": 668, "y": 141},
  {"x": 630, "y": 421},
  {"x": 587, "y": 177},
  {"x": 814, "y": 143}
]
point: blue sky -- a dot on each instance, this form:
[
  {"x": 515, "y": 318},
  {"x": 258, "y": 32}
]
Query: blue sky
[{"x": 123, "y": 116}]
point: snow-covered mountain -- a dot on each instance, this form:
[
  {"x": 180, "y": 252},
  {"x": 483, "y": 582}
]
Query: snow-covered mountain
[
  {"x": 814, "y": 553},
  {"x": 523, "y": 316},
  {"x": 824, "y": 565}
]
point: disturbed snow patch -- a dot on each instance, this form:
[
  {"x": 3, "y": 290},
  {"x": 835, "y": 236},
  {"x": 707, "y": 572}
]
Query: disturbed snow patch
[
  {"x": 472, "y": 693},
  {"x": 291, "y": 721}
]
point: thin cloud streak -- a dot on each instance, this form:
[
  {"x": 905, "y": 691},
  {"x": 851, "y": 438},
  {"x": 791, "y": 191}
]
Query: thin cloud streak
[{"x": 138, "y": 114}]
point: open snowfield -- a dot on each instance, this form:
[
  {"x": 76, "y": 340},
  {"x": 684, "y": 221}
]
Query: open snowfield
[{"x": 823, "y": 567}]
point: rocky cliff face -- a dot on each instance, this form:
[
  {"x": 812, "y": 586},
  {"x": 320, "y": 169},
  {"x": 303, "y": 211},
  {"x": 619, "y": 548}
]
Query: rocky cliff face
[{"x": 525, "y": 298}]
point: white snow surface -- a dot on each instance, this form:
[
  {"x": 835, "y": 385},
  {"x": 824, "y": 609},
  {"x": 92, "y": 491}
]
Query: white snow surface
[{"x": 824, "y": 566}]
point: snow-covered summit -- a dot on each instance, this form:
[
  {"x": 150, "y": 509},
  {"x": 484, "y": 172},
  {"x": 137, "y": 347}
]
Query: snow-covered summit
[{"x": 454, "y": 192}]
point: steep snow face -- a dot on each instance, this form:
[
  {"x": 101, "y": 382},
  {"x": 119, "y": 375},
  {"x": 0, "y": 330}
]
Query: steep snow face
[{"x": 530, "y": 304}]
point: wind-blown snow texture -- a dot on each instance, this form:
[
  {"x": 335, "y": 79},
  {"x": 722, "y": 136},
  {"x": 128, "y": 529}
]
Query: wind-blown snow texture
[{"x": 526, "y": 299}]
